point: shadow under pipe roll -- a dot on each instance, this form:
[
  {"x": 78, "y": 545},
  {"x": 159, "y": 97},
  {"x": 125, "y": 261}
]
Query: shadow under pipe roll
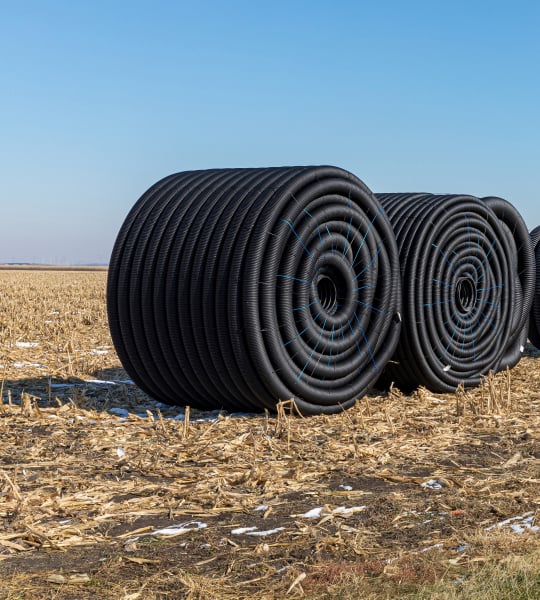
[{"x": 238, "y": 288}]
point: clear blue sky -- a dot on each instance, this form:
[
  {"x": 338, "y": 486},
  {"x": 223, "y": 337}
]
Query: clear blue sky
[{"x": 98, "y": 100}]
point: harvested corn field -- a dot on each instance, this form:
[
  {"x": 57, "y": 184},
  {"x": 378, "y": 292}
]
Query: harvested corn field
[{"x": 105, "y": 493}]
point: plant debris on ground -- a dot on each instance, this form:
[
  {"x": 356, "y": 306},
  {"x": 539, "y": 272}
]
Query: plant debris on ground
[{"x": 105, "y": 493}]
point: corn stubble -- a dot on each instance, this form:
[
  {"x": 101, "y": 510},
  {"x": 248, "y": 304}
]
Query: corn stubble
[{"x": 407, "y": 485}]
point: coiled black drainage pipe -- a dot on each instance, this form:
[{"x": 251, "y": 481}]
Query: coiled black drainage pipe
[
  {"x": 534, "y": 321},
  {"x": 237, "y": 288},
  {"x": 468, "y": 278}
]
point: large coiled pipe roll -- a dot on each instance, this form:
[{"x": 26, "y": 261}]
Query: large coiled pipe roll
[
  {"x": 534, "y": 322},
  {"x": 468, "y": 277},
  {"x": 237, "y": 288}
]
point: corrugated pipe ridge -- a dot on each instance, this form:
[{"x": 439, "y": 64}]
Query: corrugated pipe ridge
[
  {"x": 238, "y": 288},
  {"x": 468, "y": 276},
  {"x": 534, "y": 322}
]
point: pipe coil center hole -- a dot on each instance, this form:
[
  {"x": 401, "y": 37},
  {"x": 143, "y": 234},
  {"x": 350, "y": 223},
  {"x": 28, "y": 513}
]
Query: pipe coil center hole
[
  {"x": 332, "y": 291},
  {"x": 465, "y": 294}
]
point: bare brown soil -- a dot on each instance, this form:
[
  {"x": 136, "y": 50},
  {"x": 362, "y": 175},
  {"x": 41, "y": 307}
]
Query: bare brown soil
[{"x": 402, "y": 490}]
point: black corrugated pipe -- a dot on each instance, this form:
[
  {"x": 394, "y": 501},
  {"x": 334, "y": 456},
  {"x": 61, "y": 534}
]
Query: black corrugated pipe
[
  {"x": 237, "y": 288},
  {"x": 534, "y": 322},
  {"x": 468, "y": 276}
]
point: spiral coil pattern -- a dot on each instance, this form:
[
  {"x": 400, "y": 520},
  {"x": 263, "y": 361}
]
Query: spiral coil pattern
[
  {"x": 237, "y": 288},
  {"x": 467, "y": 272}
]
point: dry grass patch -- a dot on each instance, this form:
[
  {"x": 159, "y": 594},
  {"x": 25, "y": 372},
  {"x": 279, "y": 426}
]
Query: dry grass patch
[{"x": 400, "y": 495}]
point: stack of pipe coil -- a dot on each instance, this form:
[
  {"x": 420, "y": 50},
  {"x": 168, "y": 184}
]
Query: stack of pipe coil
[
  {"x": 238, "y": 288},
  {"x": 468, "y": 275}
]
